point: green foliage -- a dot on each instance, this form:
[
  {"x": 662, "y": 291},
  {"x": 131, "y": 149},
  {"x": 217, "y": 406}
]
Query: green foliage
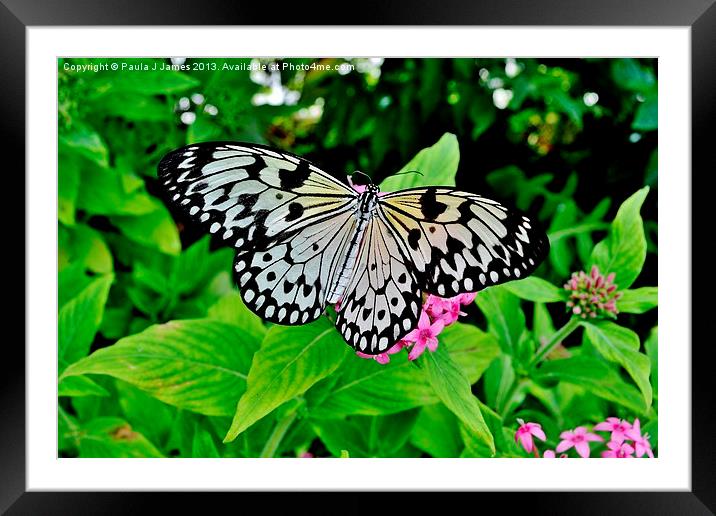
[{"x": 159, "y": 356}]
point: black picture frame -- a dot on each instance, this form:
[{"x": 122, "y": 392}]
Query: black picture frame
[{"x": 700, "y": 15}]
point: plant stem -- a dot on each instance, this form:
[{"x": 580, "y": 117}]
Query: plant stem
[
  {"x": 279, "y": 432},
  {"x": 558, "y": 337}
]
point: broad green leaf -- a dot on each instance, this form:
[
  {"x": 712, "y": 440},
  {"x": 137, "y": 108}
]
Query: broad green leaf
[
  {"x": 505, "y": 317},
  {"x": 155, "y": 229},
  {"x": 504, "y": 438},
  {"x": 564, "y": 223},
  {"x": 536, "y": 289},
  {"x": 290, "y": 361},
  {"x": 146, "y": 414},
  {"x": 624, "y": 250},
  {"x": 112, "y": 191},
  {"x": 621, "y": 345},
  {"x": 437, "y": 164},
  {"x": 153, "y": 82},
  {"x": 388, "y": 434},
  {"x": 453, "y": 388},
  {"x": 499, "y": 379},
  {"x": 87, "y": 143},
  {"x": 369, "y": 388},
  {"x": 68, "y": 431},
  {"x": 136, "y": 107},
  {"x": 342, "y": 436},
  {"x": 231, "y": 309},
  {"x": 86, "y": 245},
  {"x": 113, "y": 437},
  {"x": 470, "y": 348},
  {"x": 203, "y": 444},
  {"x": 437, "y": 432},
  {"x": 68, "y": 185},
  {"x": 629, "y": 74},
  {"x": 596, "y": 377},
  {"x": 639, "y": 300},
  {"x": 651, "y": 347},
  {"x": 80, "y": 386},
  {"x": 199, "y": 365},
  {"x": 79, "y": 320},
  {"x": 71, "y": 280},
  {"x": 542, "y": 324},
  {"x": 647, "y": 114}
]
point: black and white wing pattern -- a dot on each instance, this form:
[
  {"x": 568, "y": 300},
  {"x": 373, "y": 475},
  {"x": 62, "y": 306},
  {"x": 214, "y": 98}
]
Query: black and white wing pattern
[
  {"x": 382, "y": 301},
  {"x": 461, "y": 242},
  {"x": 250, "y": 195},
  {"x": 288, "y": 220},
  {"x": 288, "y": 282}
]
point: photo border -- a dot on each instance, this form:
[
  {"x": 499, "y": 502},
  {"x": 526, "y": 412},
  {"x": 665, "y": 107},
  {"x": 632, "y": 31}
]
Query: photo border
[{"x": 16, "y": 16}]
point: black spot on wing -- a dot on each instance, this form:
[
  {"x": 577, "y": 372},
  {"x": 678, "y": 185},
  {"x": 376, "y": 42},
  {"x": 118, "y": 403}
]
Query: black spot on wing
[
  {"x": 414, "y": 238},
  {"x": 291, "y": 179},
  {"x": 295, "y": 211},
  {"x": 430, "y": 206}
]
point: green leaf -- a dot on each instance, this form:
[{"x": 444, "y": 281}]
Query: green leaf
[
  {"x": 596, "y": 377},
  {"x": 113, "y": 437},
  {"x": 113, "y": 192},
  {"x": 453, "y": 388},
  {"x": 80, "y": 386},
  {"x": 651, "y": 346},
  {"x": 87, "y": 143},
  {"x": 289, "y": 362},
  {"x": 68, "y": 431},
  {"x": 153, "y": 82},
  {"x": 203, "y": 444},
  {"x": 369, "y": 388},
  {"x": 437, "y": 432},
  {"x": 504, "y": 438},
  {"x": 136, "y": 107},
  {"x": 536, "y": 289},
  {"x": 621, "y": 345},
  {"x": 342, "y": 436},
  {"x": 638, "y": 301},
  {"x": 470, "y": 348},
  {"x": 86, "y": 246},
  {"x": 79, "y": 320},
  {"x": 155, "y": 229},
  {"x": 647, "y": 115},
  {"x": 505, "y": 317},
  {"x": 631, "y": 75},
  {"x": 624, "y": 250},
  {"x": 199, "y": 365},
  {"x": 146, "y": 414},
  {"x": 231, "y": 309},
  {"x": 68, "y": 185},
  {"x": 437, "y": 164}
]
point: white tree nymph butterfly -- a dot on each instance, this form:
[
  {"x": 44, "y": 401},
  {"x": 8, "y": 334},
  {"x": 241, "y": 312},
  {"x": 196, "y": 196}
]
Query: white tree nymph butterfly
[{"x": 305, "y": 240}]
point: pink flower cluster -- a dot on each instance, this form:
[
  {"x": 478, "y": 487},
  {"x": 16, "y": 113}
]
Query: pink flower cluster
[
  {"x": 625, "y": 439},
  {"x": 437, "y": 313},
  {"x": 592, "y": 295}
]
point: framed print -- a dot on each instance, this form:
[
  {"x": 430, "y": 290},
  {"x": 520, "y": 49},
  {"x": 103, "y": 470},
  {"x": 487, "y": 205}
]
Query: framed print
[{"x": 418, "y": 258}]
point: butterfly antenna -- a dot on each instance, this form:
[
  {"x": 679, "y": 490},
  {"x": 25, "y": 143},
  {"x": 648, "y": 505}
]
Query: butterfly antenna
[{"x": 409, "y": 172}]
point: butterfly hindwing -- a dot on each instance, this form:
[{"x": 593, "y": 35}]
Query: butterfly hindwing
[
  {"x": 288, "y": 282},
  {"x": 382, "y": 301},
  {"x": 461, "y": 242},
  {"x": 247, "y": 194}
]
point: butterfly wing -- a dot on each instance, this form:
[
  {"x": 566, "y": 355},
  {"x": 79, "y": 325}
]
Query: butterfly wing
[
  {"x": 248, "y": 194},
  {"x": 289, "y": 281},
  {"x": 382, "y": 301},
  {"x": 461, "y": 242}
]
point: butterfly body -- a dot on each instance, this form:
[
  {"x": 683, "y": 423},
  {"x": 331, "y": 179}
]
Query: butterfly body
[{"x": 305, "y": 240}]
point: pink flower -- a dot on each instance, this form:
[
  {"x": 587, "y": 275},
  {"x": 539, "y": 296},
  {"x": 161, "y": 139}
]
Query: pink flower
[
  {"x": 616, "y": 426},
  {"x": 592, "y": 295},
  {"x": 641, "y": 442},
  {"x": 467, "y": 299},
  {"x": 434, "y": 306},
  {"x": 526, "y": 431},
  {"x": 618, "y": 450},
  {"x": 383, "y": 358},
  {"x": 306, "y": 455},
  {"x": 451, "y": 311},
  {"x": 549, "y": 454},
  {"x": 579, "y": 438},
  {"x": 424, "y": 335}
]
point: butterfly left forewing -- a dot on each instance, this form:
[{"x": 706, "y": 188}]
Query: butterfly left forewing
[
  {"x": 382, "y": 301},
  {"x": 247, "y": 194},
  {"x": 461, "y": 242}
]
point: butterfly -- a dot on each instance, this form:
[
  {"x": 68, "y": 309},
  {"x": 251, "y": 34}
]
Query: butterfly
[{"x": 305, "y": 240}]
